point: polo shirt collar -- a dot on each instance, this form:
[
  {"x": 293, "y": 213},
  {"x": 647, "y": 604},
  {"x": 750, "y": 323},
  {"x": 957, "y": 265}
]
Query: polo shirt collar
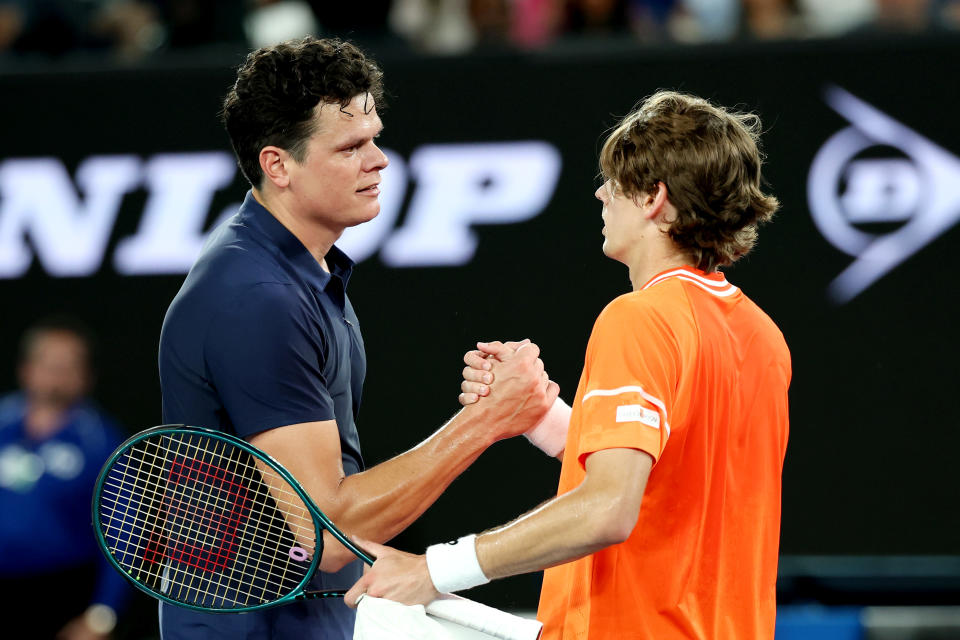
[{"x": 255, "y": 215}]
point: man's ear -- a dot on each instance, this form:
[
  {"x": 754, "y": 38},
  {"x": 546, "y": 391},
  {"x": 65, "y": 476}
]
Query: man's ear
[
  {"x": 273, "y": 163},
  {"x": 655, "y": 203}
]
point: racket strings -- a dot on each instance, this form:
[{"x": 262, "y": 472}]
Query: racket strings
[
  {"x": 242, "y": 561},
  {"x": 277, "y": 485},
  {"x": 201, "y": 525},
  {"x": 260, "y": 537},
  {"x": 299, "y": 522},
  {"x": 263, "y": 536},
  {"x": 151, "y": 498}
]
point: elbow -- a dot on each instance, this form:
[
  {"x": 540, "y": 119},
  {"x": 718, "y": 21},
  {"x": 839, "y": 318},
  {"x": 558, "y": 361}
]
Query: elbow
[
  {"x": 335, "y": 555},
  {"x": 617, "y": 523},
  {"x": 333, "y": 562}
]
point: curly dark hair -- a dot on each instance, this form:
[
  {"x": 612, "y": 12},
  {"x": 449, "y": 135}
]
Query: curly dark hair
[
  {"x": 710, "y": 161},
  {"x": 277, "y": 88}
]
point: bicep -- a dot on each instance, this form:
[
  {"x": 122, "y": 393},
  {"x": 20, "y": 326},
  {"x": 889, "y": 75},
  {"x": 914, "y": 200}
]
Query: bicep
[
  {"x": 619, "y": 478},
  {"x": 310, "y": 451}
]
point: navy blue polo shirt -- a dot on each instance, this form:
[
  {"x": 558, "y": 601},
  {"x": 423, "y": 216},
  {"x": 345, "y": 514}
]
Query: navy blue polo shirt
[{"x": 259, "y": 337}]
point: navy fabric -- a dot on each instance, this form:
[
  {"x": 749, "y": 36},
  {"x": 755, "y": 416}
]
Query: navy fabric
[{"x": 259, "y": 337}]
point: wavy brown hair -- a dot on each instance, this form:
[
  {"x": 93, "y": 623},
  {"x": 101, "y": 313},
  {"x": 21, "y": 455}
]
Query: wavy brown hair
[
  {"x": 277, "y": 88},
  {"x": 708, "y": 158}
]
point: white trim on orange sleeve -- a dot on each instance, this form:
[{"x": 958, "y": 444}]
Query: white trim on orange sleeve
[{"x": 655, "y": 401}]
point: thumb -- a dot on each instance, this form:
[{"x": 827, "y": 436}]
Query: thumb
[
  {"x": 553, "y": 392},
  {"x": 372, "y": 548},
  {"x": 358, "y": 589}
]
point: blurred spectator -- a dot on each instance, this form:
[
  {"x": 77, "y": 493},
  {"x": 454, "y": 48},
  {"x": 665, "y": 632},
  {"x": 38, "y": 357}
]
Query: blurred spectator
[
  {"x": 136, "y": 28},
  {"x": 195, "y": 23},
  {"x": 47, "y": 26},
  {"x": 649, "y": 19},
  {"x": 707, "y": 20},
  {"x": 129, "y": 28},
  {"x": 770, "y": 19},
  {"x": 12, "y": 23},
  {"x": 53, "y": 443},
  {"x": 909, "y": 16},
  {"x": 273, "y": 21},
  {"x": 534, "y": 23},
  {"x": 949, "y": 13},
  {"x": 491, "y": 20},
  {"x": 133, "y": 29},
  {"x": 596, "y": 17},
  {"x": 832, "y": 18},
  {"x": 437, "y": 26}
]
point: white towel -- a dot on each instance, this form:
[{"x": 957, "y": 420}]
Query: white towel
[{"x": 447, "y": 618}]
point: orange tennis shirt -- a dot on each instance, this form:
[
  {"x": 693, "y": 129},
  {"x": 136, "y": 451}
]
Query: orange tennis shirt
[{"x": 691, "y": 371}]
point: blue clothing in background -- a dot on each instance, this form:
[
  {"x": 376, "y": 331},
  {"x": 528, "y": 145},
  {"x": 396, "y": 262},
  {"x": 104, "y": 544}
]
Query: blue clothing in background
[
  {"x": 46, "y": 488},
  {"x": 259, "y": 337}
]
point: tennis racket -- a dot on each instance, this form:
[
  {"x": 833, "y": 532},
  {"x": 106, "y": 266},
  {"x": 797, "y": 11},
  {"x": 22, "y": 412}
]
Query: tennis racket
[{"x": 201, "y": 519}]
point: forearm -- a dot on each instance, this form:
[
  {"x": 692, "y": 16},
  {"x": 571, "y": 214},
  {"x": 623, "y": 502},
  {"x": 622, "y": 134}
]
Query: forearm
[
  {"x": 600, "y": 512},
  {"x": 567, "y": 527},
  {"x": 382, "y": 501}
]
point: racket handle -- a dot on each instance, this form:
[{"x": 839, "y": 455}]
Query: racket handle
[
  {"x": 313, "y": 595},
  {"x": 369, "y": 558},
  {"x": 344, "y": 540}
]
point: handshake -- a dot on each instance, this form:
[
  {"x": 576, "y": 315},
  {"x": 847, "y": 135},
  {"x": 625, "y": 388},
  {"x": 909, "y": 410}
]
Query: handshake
[{"x": 508, "y": 381}]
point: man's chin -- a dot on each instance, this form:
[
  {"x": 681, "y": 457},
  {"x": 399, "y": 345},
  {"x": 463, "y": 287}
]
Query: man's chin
[
  {"x": 52, "y": 399},
  {"x": 365, "y": 216}
]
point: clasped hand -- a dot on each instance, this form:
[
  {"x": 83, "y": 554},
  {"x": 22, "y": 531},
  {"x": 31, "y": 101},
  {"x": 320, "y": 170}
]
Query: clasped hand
[
  {"x": 523, "y": 392},
  {"x": 522, "y": 395}
]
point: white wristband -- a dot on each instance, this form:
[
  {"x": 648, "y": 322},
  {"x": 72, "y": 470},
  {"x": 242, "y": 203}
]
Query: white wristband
[
  {"x": 454, "y": 566},
  {"x": 550, "y": 434}
]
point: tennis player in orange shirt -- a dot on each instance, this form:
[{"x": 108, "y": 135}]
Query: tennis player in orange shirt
[{"x": 667, "y": 519}]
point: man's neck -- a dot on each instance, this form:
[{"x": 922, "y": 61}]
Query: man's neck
[
  {"x": 43, "y": 420},
  {"x": 657, "y": 260},
  {"x": 315, "y": 237}
]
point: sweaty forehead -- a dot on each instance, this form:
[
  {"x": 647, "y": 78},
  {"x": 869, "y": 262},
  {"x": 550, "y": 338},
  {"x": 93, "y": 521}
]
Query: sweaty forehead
[{"x": 360, "y": 113}]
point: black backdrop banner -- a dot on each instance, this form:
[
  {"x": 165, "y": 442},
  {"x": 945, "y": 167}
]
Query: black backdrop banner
[{"x": 110, "y": 177}]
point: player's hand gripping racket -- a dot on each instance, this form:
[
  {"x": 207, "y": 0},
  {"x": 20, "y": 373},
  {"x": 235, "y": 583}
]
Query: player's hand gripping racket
[{"x": 201, "y": 519}]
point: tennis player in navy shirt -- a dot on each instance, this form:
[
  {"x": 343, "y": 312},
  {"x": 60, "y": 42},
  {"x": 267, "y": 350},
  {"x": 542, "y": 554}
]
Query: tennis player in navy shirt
[{"x": 262, "y": 340}]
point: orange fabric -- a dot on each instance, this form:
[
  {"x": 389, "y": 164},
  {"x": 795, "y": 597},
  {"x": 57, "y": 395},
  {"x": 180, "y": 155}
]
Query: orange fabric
[{"x": 691, "y": 371}]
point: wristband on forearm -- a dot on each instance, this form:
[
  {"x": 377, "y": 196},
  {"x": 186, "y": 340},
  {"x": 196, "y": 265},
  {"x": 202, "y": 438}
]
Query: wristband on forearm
[
  {"x": 550, "y": 434},
  {"x": 454, "y": 566}
]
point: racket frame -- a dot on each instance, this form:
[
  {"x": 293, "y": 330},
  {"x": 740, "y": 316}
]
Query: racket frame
[{"x": 320, "y": 520}]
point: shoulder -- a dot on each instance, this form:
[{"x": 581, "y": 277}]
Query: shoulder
[
  {"x": 645, "y": 323},
  {"x": 665, "y": 303},
  {"x": 764, "y": 325},
  {"x": 233, "y": 271},
  {"x": 235, "y": 257}
]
